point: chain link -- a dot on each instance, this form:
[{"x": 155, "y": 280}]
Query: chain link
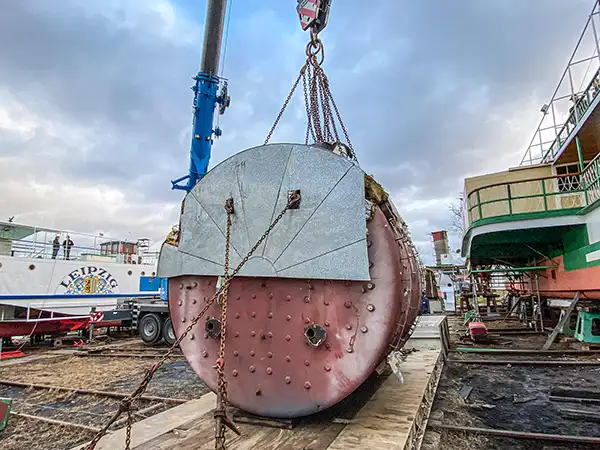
[
  {"x": 222, "y": 382},
  {"x": 318, "y": 100},
  {"x": 125, "y": 405}
]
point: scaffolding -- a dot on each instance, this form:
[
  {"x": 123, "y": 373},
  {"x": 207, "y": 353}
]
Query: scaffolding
[{"x": 573, "y": 100}]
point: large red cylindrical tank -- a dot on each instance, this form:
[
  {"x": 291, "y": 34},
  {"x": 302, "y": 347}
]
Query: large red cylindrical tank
[{"x": 335, "y": 288}]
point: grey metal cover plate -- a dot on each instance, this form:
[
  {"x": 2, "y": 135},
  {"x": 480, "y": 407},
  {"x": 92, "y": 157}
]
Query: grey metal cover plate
[{"x": 325, "y": 238}]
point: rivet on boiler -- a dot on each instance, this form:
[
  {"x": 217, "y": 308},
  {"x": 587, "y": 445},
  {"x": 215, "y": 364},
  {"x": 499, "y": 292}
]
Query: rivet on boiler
[
  {"x": 370, "y": 308},
  {"x": 288, "y": 298},
  {"x": 237, "y": 334},
  {"x": 253, "y": 314},
  {"x": 307, "y": 363},
  {"x": 253, "y": 333},
  {"x": 270, "y": 354},
  {"x": 253, "y": 295},
  {"x": 192, "y": 337},
  {"x": 271, "y": 295},
  {"x": 270, "y": 334},
  {"x": 234, "y": 373},
  {"x": 183, "y": 319},
  {"x": 237, "y": 315},
  {"x": 194, "y": 301},
  {"x": 348, "y": 305},
  {"x": 251, "y": 368},
  {"x": 327, "y": 367},
  {"x": 204, "y": 353},
  {"x": 349, "y": 349},
  {"x": 364, "y": 329},
  {"x": 252, "y": 353},
  {"x": 288, "y": 380},
  {"x": 348, "y": 327},
  {"x": 288, "y": 317},
  {"x": 288, "y": 358},
  {"x": 307, "y": 384},
  {"x": 326, "y": 302},
  {"x": 306, "y": 299},
  {"x": 180, "y": 303},
  {"x": 307, "y": 320},
  {"x": 288, "y": 337},
  {"x": 327, "y": 323},
  {"x": 236, "y": 353},
  {"x": 269, "y": 371},
  {"x": 270, "y": 315}
]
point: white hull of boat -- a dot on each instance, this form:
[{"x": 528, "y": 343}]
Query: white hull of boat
[{"x": 24, "y": 277}]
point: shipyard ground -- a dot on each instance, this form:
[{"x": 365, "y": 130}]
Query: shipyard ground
[
  {"x": 510, "y": 396},
  {"x": 60, "y": 368},
  {"x": 385, "y": 414}
]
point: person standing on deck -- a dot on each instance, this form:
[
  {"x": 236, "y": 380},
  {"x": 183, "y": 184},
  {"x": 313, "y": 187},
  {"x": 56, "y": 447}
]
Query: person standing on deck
[
  {"x": 55, "y": 246},
  {"x": 424, "y": 304},
  {"x": 67, "y": 244}
]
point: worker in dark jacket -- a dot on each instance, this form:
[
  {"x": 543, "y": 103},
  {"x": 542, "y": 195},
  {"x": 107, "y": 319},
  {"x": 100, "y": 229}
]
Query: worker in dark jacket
[
  {"x": 55, "y": 246},
  {"x": 424, "y": 304},
  {"x": 67, "y": 244}
]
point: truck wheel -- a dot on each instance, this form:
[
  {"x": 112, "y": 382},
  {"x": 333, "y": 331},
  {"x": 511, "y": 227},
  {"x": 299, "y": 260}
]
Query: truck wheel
[
  {"x": 168, "y": 332},
  {"x": 150, "y": 328}
]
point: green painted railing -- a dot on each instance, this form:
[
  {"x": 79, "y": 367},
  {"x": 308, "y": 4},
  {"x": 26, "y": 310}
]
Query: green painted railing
[{"x": 535, "y": 198}]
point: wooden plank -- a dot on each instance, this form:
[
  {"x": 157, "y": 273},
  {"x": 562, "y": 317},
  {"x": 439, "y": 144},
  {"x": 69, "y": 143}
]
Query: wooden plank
[
  {"x": 386, "y": 421},
  {"x": 562, "y": 322},
  {"x": 152, "y": 427}
]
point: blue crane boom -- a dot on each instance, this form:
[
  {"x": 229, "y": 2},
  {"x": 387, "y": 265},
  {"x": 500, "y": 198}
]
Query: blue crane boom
[
  {"x": 206, "y": 96},
  {"x": 313, "y": 15}
]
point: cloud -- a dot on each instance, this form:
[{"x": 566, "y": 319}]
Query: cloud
[{"x": 95, "y": 110}]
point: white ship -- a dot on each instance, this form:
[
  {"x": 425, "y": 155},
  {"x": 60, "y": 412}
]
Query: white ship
[{"x": 51, "y": 280}]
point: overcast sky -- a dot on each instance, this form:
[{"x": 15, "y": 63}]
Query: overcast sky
[{"x": 95, "y": 106}]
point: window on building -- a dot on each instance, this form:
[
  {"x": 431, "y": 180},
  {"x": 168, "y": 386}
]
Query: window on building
[{"x": 568, "y": 178}]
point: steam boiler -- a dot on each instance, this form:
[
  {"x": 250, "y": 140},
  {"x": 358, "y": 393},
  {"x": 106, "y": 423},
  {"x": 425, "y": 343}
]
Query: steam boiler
[{"x": 319, "y": 304}]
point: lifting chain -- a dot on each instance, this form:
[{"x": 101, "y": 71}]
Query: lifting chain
[
  {"x": 318, "y": 100},
  {"x": 126, "y": 404},
  {"x": 221, "y": 419}
]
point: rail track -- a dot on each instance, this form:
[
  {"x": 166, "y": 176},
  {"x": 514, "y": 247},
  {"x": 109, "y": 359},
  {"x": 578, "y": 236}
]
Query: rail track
[
  {"x": 513, "y": 396},
  {"x": 63, "y": 401}
]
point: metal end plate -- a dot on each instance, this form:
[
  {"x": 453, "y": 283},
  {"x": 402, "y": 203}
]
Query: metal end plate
[{"x": 324, "y": 238}]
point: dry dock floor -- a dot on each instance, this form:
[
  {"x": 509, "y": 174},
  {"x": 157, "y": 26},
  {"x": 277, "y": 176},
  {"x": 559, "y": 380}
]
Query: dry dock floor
[{"x": 510, "y": 396}]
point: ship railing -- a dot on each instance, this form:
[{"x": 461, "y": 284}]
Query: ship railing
[
  {"x": 527, "y": 199},
  {"x": 40, "y": 246},
  {"x": 591, "y": 180},
  {"x": 569, "y": 104}
]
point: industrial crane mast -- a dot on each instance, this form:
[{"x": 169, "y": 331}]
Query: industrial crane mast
[
  {"x": 313, "y": 15},
  {"x": 206, "y": 96}
]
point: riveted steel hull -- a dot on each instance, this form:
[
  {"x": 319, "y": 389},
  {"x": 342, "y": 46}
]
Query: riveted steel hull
[{"x": 270, "y": 367}]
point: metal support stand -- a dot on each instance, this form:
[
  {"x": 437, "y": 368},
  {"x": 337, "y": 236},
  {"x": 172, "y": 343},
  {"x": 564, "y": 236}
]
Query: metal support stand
[
  {"x": 93, "y": 310},
  {"x": 562, "y": 322},
  {"x": 539, "y": 302}
]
